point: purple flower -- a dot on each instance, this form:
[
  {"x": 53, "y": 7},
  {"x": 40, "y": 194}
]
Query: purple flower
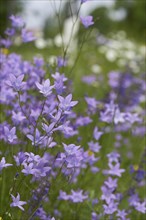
[
  {"x": 111, "y": 183},
  {"x": 63, "y": 195},
  {"x": 19, "y": 158},
  {"x": 110, "y": 208},
  {"x": 77, "y": 196},
  {"x": 45, "y": 88},
  {"x": 132, "y": 118},
  {"x": 73, "y": 155},
  {"x": 66, "y": 104},
  {"x": 122, "y": 214},
  {"x": 48, "y": 129},
  {"x": 71, "y": 149},
  {"x": 4, "y": 164},
  {"x": 10, "y": 134},
  {"x": 17, "y": 21},
  {"x": 74, "y": 161},
  {"x": 115, "y": 170},
  {"x": 17, "y": 203},
  {"x": 107, "y": 194},
  {"x": 10, "y": 31},
  {"x": 27, "y": 36},
  {"x": 6, "y": 42},
  {"x": 87, "y": 21},
  {"x": 17, "y": 117},
  {"x": 97, "y": 134},
  {"x": 82, "y": 121},
  {"x": 36, "y": 139},
  {"x": 61, "y": 62},
  {"x": 118, "y": 116},
  {"x": 113, "y": 157},
  {"x": 89, "y": 79},
  {"x": 133, "y": 199},
  {"x": 16, "y": 82},
  {"x": 141, "y": 207},
  {"x": 95, "y": 147},
  {"x": 28, "y": 168}
]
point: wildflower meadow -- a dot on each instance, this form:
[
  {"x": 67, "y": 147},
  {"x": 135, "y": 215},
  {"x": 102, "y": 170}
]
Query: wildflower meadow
[{"x": 72, "y": 127}]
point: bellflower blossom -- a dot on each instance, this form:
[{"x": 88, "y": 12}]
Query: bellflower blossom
[
  {"x": 10, "y": 31},
  {"x": 115, "y": 170},
  {"x": 77, "y": 196},
  {"x": 27, "y": 36},
  {"x": 97, "y": 134},
  {"x": 87, "y": 21},
  {"x": 36, "y": 138},
  {"x": 110, "y": 208},
  {"x": 66, "y": 104},
  {"x": 61, "y": 62},
  {"x": 4, "y": 164},
  {"x": 59, "y": 82},
  {"x": 10, "y": 134},
  {"x": 141, "y": 207},
  {"x": 17, "y": 21},
  {"x": 17, "y": 203},
  {"x": 16, "y": 82},
  {"x": 45, "y": 88}
]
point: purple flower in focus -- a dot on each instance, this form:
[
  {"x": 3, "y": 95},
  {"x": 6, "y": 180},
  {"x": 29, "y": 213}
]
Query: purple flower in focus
[
  {"x": 59, "y": 82},
  {"x": 71, "y": 149},
  {"x": 45, "y": 88},
  {"x": 94, "y": 216},
  {"x": 17, "y": 21},
  {"x": 10, "y": 134},
  {"x": 17, "y": 203},
  {"x": 28, "y": 168},
  {"x": 4, "y": 164},
  {"x": 19, "y": 158},
  {"x": 87, "y": 21},
  {"x": 27, "y": 36},
  {"x": 66, "y": 104},
  {"x": 118, "y": 116},
  {"x": 83, "y": 1},
  {"x": 48, "y": 129}
]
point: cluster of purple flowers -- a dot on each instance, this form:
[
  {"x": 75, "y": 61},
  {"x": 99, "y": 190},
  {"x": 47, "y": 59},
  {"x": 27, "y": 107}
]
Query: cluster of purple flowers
[{"x": 46, "y": 153}]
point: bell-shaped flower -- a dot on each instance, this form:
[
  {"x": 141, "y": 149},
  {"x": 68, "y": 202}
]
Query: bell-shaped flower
[{"x": 45, "y": 88}]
